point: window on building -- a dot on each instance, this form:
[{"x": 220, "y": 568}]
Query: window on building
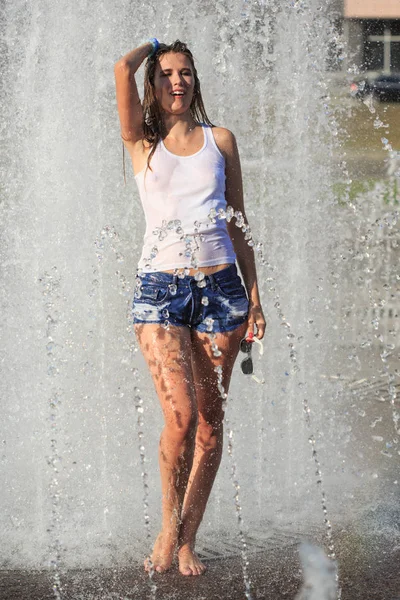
[{"x": 382, "y": 45}]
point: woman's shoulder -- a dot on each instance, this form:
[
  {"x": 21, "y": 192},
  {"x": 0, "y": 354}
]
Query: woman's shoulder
[
  {"x": 222, "y": 132},
  {"x": 224, "y": 138}
]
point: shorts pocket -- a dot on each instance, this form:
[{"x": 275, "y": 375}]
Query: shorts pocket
[
  {"x": 232, "y": 288},
  {"x": 154, "y": 294}
]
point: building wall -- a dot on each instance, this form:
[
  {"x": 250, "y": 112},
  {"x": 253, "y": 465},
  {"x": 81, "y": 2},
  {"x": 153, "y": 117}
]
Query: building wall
[{"x": 372, "y": 9}]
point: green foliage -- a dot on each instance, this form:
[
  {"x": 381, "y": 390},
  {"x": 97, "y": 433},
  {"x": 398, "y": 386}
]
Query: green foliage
[{"x": 357, "y": 188}]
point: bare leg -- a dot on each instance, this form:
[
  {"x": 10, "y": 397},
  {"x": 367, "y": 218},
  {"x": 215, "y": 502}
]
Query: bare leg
[
  {"x": 167, "y": 353},
  {"x": 209, "y": 436}
]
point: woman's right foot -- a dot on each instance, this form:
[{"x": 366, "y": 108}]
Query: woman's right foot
[{"x": 163, "y": 553}]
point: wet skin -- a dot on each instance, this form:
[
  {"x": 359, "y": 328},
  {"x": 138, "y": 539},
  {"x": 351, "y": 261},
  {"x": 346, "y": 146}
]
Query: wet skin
[
  {"x": 182, "y": 366},
  {"x": 180, "y": 359}
]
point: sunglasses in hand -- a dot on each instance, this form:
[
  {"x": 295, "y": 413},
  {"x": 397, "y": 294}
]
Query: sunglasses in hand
[{"x": 247, "y": 363}]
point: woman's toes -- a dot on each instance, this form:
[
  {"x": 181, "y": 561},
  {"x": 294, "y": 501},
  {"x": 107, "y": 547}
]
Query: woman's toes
[
  {"x": 185, "y": 570},
  {"x": 189, "y": 563},
  {"x": 162, "y": 555}
]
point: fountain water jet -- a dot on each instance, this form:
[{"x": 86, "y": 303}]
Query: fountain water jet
[{"x": 62, "y": 185}]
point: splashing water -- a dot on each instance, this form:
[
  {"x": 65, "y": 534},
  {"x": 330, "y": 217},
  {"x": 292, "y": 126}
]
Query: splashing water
[
  {"x": 50, "y": 284},
  {"x": 328, "y": 260},
  {"x": 319, "y": 574},
  {"x": 142, "y": 454}
]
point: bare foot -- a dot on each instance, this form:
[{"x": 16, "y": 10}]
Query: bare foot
[
  {"x": 189, "y": 562},
  {"x": 163, "y": 552}
]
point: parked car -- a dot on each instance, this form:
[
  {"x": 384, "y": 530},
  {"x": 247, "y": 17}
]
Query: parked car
[{"x": 385, "y": 87}]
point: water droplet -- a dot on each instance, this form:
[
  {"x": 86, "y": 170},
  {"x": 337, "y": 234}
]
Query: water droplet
[
  {"x": 209, "y": 322},
  {"x": 154, "y": 252},
  {"x": 229, "y": 213},
  {"x": 222, "y": 392}
]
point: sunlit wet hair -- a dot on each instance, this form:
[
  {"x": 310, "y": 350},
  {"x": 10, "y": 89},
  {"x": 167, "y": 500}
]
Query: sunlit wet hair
[{"x": 153, "y": 126}]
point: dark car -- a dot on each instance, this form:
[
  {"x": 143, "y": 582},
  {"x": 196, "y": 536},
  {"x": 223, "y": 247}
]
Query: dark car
[{"x": 385, "y": 87}]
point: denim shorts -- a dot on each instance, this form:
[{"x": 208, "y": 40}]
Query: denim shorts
[{"x": 212, "y": 303}]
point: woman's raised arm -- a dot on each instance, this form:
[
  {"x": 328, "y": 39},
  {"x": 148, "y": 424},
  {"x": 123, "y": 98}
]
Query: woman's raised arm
[{"x": 128, "y": 101}]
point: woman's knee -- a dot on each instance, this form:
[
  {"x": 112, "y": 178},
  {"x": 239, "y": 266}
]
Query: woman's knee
[
  {"x": 181, "y": 427},
  {"x": 209, "y": 431}
]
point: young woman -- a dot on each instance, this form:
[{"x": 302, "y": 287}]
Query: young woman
[{"x": 191, "y": 311}]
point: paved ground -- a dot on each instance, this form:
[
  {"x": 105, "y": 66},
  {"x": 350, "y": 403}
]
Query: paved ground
[{"x": 369, "y": 570}]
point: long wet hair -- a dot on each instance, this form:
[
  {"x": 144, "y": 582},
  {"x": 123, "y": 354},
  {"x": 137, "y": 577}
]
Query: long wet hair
[{"x": 153, "y": 124}]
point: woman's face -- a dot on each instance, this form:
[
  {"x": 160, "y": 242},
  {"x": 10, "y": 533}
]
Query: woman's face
[{"x": 174, "y": 82}]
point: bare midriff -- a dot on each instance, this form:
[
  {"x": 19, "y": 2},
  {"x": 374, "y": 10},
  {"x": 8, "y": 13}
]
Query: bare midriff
[{"x": 205, "y": 270}]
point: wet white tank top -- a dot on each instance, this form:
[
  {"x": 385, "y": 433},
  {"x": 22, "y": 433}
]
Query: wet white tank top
[{"x": 177, "y": 195}]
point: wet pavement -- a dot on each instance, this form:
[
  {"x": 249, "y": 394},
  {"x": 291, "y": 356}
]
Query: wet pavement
[{"x": 369, "y": 569}]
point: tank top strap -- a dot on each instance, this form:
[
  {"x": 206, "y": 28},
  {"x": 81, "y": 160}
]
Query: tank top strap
[
  {"x": 210, "y": 138},
  {"x": 207, "y": 133}
]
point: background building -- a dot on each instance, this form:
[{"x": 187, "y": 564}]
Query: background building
[{"x": 372, "y": 33}]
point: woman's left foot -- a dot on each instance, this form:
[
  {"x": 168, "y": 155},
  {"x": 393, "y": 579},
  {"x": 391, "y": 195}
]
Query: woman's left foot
[{"x": 189, "y": 562}]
